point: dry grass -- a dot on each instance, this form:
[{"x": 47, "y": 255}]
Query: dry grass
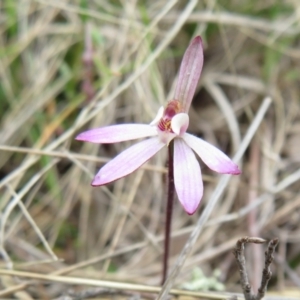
[{"x": 70, "y": 65}]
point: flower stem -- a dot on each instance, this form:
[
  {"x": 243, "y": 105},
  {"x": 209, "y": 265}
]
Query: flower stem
[{"x": 169, "y": 211}]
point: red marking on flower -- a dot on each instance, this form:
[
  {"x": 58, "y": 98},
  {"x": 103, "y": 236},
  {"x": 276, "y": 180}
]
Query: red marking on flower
[{"x": 173, "y": 108}]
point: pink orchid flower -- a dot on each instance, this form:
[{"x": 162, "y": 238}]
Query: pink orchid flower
[{"x": 170, "y": 123}]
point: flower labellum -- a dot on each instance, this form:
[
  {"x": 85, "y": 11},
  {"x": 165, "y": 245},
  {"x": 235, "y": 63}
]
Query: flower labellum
[{"x": 170, "y": 124}]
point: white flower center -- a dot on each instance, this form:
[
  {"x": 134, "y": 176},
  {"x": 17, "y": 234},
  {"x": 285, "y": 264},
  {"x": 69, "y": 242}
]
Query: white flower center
[{"x": 171, "y": 121}]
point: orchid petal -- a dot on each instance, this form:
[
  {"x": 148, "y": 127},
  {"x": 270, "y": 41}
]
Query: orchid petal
[
  {"x": 211, "y": 156},
  {"x": 127, "y": 161},
  {"x": 158, "y": 116},
  {"x": 187, "y": 177},
  {"x": 190, "y": 70},
  {"x": 165, "y": 136},
  {"x": 117, "y": 133},
  {"x": 180, "y": 123}
]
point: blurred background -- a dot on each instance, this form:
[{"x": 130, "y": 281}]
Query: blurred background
[{"x": 67, "y": 66}]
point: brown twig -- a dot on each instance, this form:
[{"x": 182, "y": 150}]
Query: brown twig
[
  {"x": 96, "y": 292},
  {"x": 87, "y": 59},
  {"x": 241, "y": 261},
  {"x": 253, "y": 228},
  {"x": 266, "y": 275}
]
